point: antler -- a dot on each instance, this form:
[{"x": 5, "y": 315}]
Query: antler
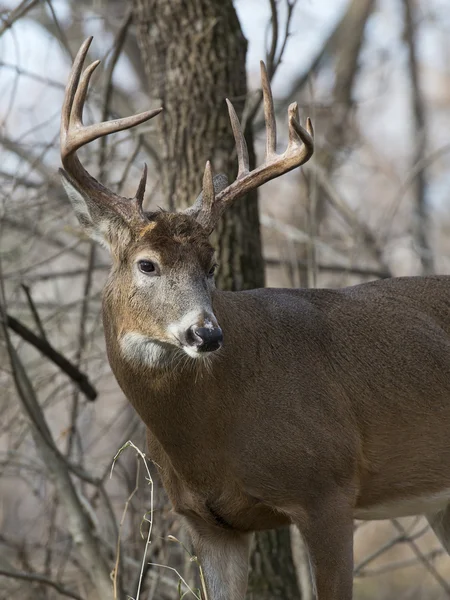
[
  {"x": 215, "y": 199},
  {"x": 74, "y": 135}
]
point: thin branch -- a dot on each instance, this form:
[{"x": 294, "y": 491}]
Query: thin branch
[
  {"x": 349, "y": 216},
  {"x": 60, "y": 30},
  {"x": 107, "y": 94},
  {"x": 80, "y": 524},
  {"x": 401, "y": 538},
  {"x": 148, "y": 517},
  {"x": 345, "y": 28},
  {"x": 341, "y": 269},
  {"x": 400, "y": 564},
  {"x": 273, "y": 61},
  {"x": 66, "y": 274},
  {"x": 116, "y": 570},
  {"x": 16, "y": 14},
  {"x": 270, "y": 58},
  {"x": 35, "y": 76},
  {"x": 42, "y": 235},
  {"x": 56, "y": 357},
  {"x": 33, "y": 577},
  {"x": 421, "y": 224},
  {"x": 34, "y": 161},
  {"x": 422, "y": 558},
  {"x": 34, "y": 312}
]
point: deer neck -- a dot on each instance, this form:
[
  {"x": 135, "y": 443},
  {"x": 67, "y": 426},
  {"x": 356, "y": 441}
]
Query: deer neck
[{"x": 184, "y": 404}]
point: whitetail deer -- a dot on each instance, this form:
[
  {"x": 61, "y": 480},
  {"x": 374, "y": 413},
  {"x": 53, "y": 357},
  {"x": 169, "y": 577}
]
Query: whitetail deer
[{"x": 314, "y": 407}]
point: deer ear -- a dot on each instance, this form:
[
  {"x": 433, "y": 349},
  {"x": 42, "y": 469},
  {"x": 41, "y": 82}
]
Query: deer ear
[{"x": 104, "y": 226}]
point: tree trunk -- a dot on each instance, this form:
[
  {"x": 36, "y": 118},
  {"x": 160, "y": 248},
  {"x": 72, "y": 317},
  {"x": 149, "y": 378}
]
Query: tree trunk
[
  {"x": 273, "y": 574},
  {"x": 194, "y": 55}
]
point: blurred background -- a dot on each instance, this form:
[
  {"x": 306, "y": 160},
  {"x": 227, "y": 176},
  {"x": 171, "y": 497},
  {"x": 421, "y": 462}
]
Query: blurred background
[{"x": 374, "y": 76}]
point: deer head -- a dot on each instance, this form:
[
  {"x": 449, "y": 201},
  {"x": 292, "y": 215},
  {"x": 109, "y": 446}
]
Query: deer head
[{"x": 163, "y": 263}]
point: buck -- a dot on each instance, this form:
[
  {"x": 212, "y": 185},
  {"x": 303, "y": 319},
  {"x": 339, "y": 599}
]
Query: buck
[{"x": 271, "y": 406}]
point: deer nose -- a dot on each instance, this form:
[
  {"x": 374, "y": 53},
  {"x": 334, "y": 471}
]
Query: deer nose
[{"x": 206, "y": 339}]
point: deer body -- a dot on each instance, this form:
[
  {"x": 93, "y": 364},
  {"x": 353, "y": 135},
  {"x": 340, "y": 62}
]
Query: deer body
[
  {"x": 272, "y": 406},
  {"x": 314, "y": 391}
]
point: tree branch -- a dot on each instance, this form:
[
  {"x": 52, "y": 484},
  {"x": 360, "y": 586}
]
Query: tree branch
[
  {"x": 342, "y": 269},
  {"x": 16, "y": 14},
  {"x": 79, "y": 522},
  {"x": 56, "y": 357},
  {"x": 40, "y": 579},
  {"x": 420, "y": 137}
]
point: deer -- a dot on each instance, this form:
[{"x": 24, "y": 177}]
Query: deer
[{"x": 267, "y": 407}]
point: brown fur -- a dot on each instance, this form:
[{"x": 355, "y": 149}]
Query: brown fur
[{"x": 321, "y": 402}]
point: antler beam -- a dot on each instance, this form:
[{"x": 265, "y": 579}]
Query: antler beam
[
  {"x": 210, "y": 206},
  {"x": 74, "y": 135}
]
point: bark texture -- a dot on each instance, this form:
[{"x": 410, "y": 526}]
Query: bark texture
[
  {"x": 193, "y": 52},
  {"x": 273, "y": 574}
]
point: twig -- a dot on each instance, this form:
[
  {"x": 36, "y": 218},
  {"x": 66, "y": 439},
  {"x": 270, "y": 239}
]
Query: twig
[
  {"x": 297, "y": 235},
  {"x": 34, "y": 161},
  {"x": 273, "y": 61},
  {"x": 349, "y": 216},
  {"x": 346, "y": 26},
  {"x": 16, "y": 14},
  {"x": 42, "y": 235},
  {"x": 179, "y": 576},
  {"x": 426, "y": 563},
  {"x": 424, "y": 163},
  {"x": 397, "y": 539},
  {"x": 34, "y": 312},
  {"x": 61, "y": 33},
  {"x": 290, "y": 11},
  {"x": 270, "y": 58},
  {"x": 421, "y": 223},
  {"x": 107, "y": 94},
  {"x": 35, "y": 76},
  {"x": 79, "y": 522},
  {"x": 66, "y": 274},
  {"x": 129, "y": 162},
  {"x": 56, "y": 357},
  {"x": 130, "y": 444},
  {"x": 81, "y": 340},
  {"x": 40, "y": 579},
  {"x": 341, "y": 269},
  {"x": 116, "y": 569},
  {"x": 400, "y": 564}
]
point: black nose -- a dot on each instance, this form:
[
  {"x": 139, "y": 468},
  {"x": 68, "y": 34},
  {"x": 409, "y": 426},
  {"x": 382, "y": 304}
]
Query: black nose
[{"x": 206, "y": 339}]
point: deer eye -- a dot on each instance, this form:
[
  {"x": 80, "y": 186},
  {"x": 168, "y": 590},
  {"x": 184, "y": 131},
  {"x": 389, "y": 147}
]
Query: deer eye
[
  {"x": 147, "y": 267},
  {"x": 212, "y": 270}
]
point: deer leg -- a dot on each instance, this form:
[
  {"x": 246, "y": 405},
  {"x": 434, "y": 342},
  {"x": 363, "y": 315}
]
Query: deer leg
[
  {"x": 223, "y": 556},
  {"x": 328, "y": 534},
  {"x": 440, "y": 524}
]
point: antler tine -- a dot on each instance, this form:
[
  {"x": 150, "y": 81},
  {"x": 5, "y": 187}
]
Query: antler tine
[
  {"x": 298, "y": 136},
  {"x": 241, "y": 144},
  {"x": 76, "y": 116},
  {"x": 269, "y": 113},
  {"x": 208, "y": 193},
  {"x": 139, "y": 196},
  {"x": 72, "y": 85},
  {"x": 74, "y": 135}
]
